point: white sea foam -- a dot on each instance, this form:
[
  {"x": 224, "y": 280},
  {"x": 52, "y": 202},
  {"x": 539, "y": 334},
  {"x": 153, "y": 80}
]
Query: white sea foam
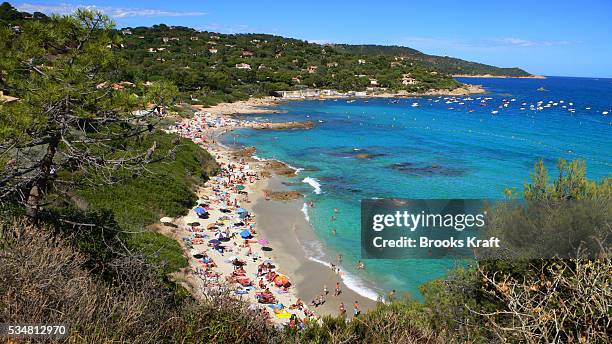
[
  {"x": 352, "y": 282},
  {"x": 316, "y": 253},
  {"x": 305, "y": 211},
  {"x": 314, "y": 183}
]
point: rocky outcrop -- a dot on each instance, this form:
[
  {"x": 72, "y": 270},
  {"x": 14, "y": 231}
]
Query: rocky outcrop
[
  {"x": 245, "y": 152},
  {"x": 279, "y": 168},
  {"x": 279, "y": 125},
  {"x": 282, "y": 195}
]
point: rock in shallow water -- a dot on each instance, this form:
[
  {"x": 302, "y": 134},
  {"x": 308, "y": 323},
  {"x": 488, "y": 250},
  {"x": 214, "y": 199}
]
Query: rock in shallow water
[{"x": 427, "y": 170}]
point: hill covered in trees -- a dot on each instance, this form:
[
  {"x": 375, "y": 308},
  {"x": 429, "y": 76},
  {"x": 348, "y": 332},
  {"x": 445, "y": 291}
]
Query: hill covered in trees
[
  {"x": 444, "y": 64},
  {"x": 209, "y": 67}
]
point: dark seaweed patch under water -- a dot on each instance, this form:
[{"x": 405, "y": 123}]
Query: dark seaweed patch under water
[
  {"x": 427, "y": 170},
  {"x": 357, "y": 154},
  {"x": 339, "y": 184}
]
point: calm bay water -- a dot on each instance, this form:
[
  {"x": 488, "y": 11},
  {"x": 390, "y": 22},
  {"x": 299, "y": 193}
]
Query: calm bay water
[{"x": 430, "y": 147}]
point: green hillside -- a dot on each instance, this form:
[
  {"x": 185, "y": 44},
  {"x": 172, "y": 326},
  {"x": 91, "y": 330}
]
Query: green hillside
[
  {"x": 445, "y": 64},
  {"x": 210, "y": 67}
]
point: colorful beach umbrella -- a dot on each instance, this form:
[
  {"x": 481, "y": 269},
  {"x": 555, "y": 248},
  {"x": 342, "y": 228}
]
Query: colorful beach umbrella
[
  {"x": 240, "y": 187},
  {"x": 263, "y": 241},
  {"x": 200, "y": 210},
  {"x": 280, "y": 280},
  {"x": 241, "y": 210},
  {"x": 245, "y": 234},
  {"x": 214, "y": 242}
]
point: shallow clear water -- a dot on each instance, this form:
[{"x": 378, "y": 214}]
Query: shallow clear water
[{"x": 376, "y": 148}]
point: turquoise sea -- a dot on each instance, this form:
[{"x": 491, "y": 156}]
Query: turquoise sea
[{"x": 429, "y": 147}]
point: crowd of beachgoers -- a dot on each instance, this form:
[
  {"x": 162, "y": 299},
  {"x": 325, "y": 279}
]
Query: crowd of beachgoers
[{"x": 227, "y": 253}]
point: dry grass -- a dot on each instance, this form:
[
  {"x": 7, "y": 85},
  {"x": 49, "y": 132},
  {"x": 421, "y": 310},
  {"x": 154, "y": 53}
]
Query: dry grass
[{"x": 43, "y": 281}]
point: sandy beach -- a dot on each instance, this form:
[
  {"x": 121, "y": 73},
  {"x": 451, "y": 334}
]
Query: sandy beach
[
  {"x": 284, "y": 224},
  {"x": 252, "y": 105},
  {"x": 248, "y": 268}
]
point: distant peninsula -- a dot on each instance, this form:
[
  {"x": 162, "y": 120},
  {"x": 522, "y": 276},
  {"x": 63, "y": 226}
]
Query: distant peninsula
[
  {"x": 444, "y": 64},
  {"x": 498, "y": 76}
]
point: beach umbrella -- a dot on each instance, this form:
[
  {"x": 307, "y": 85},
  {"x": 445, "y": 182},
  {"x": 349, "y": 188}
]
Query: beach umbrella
[
  {"x": 280, "y": 280},
  {"x": 166, "y": 220},
  {"x": 214, "y": 242},
  {"x": 240, "y": 187},
  {"x": 211, "y": 226},
  {"x": 263, "y": 241},
  {"x": 241, "y": 210},
  {"x": 245, "y": 234},
  {"x": 193, "y": 224},
  {"x": 200, "y": 210}
]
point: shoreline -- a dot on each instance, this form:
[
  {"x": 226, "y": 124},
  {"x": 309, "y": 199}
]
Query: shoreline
[
  {"x": 251, "y": 105},
  {"x": 273, "y": 218},
  {"x": 286, "y": 226},
  {"x": 263, "y": 105}
]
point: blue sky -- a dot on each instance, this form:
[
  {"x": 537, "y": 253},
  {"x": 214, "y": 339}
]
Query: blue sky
[{"x": 570, "y": 38}]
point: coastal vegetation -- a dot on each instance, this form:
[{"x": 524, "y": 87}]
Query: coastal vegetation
[
  {"x": 84, "y": 171},
  {"x": 210, "y": 68}
]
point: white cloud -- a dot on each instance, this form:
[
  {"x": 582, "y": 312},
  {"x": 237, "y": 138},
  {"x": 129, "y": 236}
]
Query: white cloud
[
  {"x": 489, "y": 43},
  {"x": 115, "y": 12},
  {"x": 320, "y": 41},
  {"x": 229, "y": 29},
  {"x": 512, "y": 41}
]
